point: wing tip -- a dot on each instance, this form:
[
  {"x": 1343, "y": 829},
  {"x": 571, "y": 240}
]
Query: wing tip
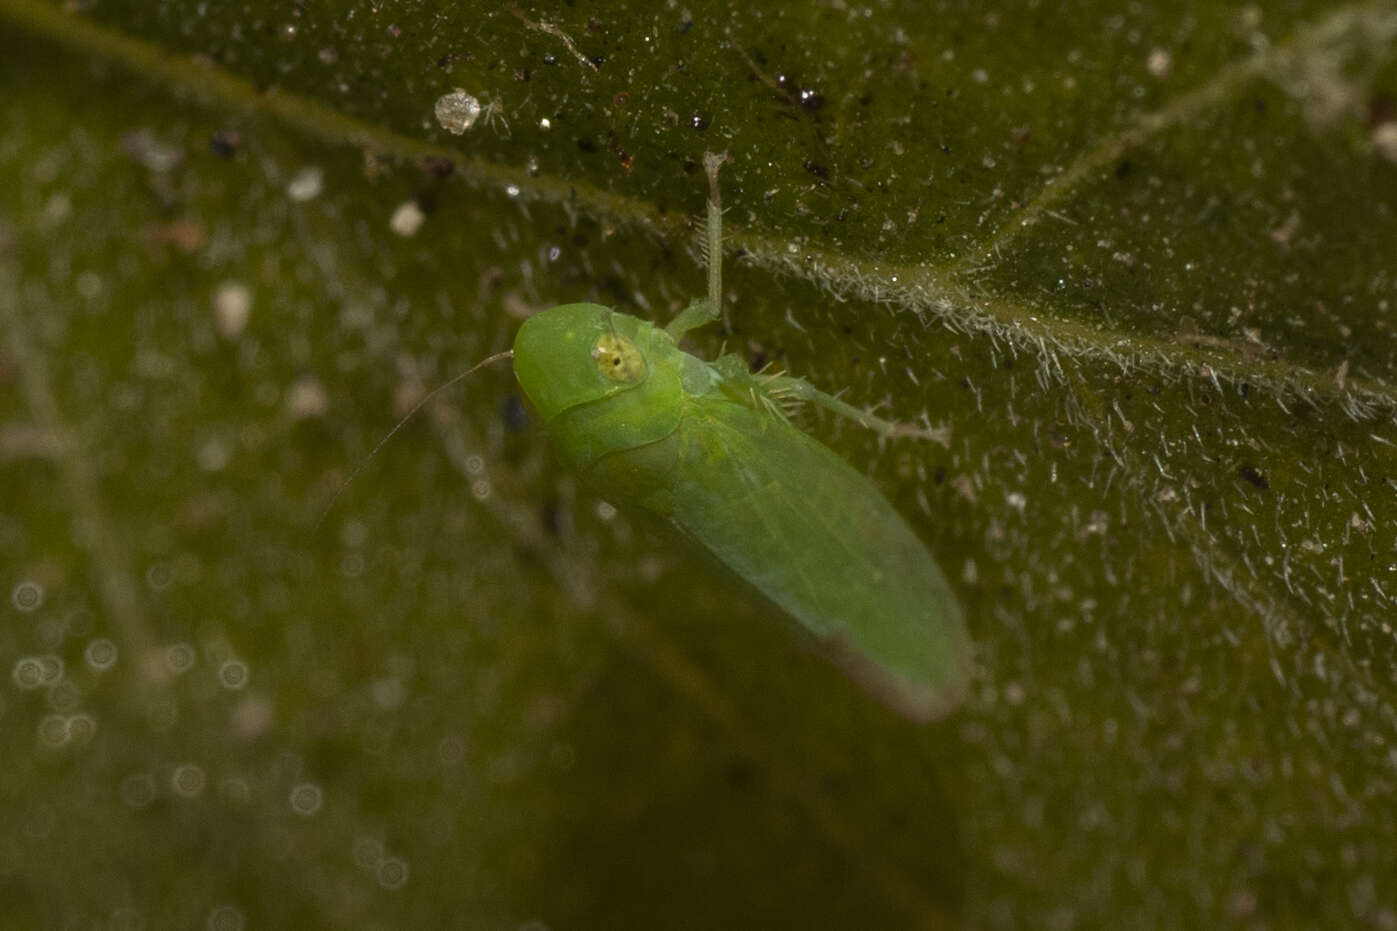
[{"x": 921, "y": 702}]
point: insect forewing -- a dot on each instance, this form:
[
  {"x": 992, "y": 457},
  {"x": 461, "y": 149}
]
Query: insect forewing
[{"x": 817, "y": 538}]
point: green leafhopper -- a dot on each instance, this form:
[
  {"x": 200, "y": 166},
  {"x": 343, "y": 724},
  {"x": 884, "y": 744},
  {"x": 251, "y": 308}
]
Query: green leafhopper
[{"x": 708, "y": 447}]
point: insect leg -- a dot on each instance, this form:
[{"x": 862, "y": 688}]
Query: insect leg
[
  {"x": 799, "y": 389},
  {"x": 707, "y": 309}
]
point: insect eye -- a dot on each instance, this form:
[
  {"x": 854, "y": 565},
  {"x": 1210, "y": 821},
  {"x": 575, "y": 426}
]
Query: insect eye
[{"x": 618, "y": 359}]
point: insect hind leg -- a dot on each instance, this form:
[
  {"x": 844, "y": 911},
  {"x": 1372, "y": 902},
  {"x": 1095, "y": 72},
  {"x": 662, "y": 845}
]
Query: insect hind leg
[{"x": 799, "y": 389}]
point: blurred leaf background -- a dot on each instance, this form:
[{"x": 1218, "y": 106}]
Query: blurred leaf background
[{"x": 1138, "y": 258}]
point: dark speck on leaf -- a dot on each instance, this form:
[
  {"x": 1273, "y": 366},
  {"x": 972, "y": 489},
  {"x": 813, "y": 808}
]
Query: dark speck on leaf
[
  {"x": 514, "y": 414},
  {"x": 699, "y": 122},
  {"x": 741, "y": 774},
  {"x": 1254, "y": 477},
  {"x": 587, "y": 144},
  {"x": 437, "y": 166},
  {"x": 226, "y": 142},
  {"x": 816, "y": 169},
  {"x": 1123, "y": 169},
  {"x": 551, "y": 515},
  {"x": 1381, "y": 109}
]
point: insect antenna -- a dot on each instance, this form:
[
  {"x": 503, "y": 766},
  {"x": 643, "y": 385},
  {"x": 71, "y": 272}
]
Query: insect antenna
[{"x": 364, "y": 463}]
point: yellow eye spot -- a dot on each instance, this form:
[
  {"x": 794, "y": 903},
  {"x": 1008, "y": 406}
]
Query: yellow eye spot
[{"x": 618, "y": 359}]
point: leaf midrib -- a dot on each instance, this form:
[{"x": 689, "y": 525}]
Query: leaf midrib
[{"x": 945, "y": 292}]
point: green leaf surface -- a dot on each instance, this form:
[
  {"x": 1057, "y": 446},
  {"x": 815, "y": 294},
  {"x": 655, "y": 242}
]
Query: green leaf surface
[{"x": 1137, "y": 258}]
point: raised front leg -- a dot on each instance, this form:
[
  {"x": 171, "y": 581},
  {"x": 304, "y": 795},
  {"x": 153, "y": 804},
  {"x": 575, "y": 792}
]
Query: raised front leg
[{"x": 706, "y": 310}]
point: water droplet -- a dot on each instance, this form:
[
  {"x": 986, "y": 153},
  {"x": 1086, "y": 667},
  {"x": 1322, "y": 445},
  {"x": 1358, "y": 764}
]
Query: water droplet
[
  {"x": 179, "y": 658},
  {"x": 143, "y": 148},
  {"x": 457, "y": 111},
  {"x": 1385, "y": 140},
  {"x": 53, "y": 667},
  {"x": 126, "y": 919},
  {"x": 159, "y": 577},
  {"x": 235, "y": 791},
  {"x": 213, "y": 454},
  {"x": 53, "y": 730},
  {"x": 225, "y": 918},
  {"x": 28, "y": 672},
  {"x": 138, "y": 790},
  {"x": 451, "y": 751},
  {"x": 1160, "y": 63},
  {"x": 233, "y": 674},
  {"x": 389, "y": 693},
  {"x": 368, "y": 852},
  {"x": 218, "y": 650},
  {"x": 288, "y": 765},
  {"x": 232, "y": 307},
  {"x": 188, "y": 780},
  {"x": 27, "y": 596},
  {"x": 252, "y": 717},
  {"x": 352, "y": 565},
  {"x": 306, "y": 798},
  {"x": 82, "y": 727},
  {"x": 407, "y": 219},
  {"x": 306, "y": 184},
  {"x": 392, "y": 873},
  {"x": 307, "y": 398},
  {"x": 89, "y": 285},
  {"x": 64, "y": 695}
]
